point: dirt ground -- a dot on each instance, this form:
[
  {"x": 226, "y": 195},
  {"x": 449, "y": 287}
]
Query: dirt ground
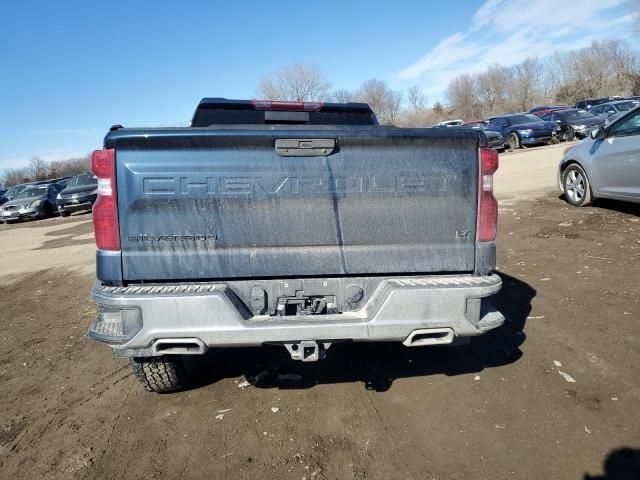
[{"x": 553, "y": 394}]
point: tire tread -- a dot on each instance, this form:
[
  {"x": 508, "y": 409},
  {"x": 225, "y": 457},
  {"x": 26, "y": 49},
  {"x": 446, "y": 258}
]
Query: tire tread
[{"x": 159, "y": 374}]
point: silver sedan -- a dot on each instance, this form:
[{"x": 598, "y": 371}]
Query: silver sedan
[{"x": 604, "y": 165}]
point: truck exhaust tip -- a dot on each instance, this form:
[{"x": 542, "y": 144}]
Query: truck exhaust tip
[
  {"x": 429, "y": 336},
  {"x": 179, "y": 346}
]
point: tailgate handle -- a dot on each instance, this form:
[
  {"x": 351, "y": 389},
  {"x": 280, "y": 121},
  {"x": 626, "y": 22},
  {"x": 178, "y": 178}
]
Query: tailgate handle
[{"x": 305, "y": 147}]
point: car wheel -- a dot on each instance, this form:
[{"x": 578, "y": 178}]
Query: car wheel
[
  {"x": 47, "y": 210},
  {"x": 570, "y": 135},
  {"x": 160, "y": 374},
  {"x": 514, "y": 141},
  {"x": 577, "y": 190}
]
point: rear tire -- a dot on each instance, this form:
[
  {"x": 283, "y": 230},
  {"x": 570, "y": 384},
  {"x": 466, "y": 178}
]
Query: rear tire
[
  {"x": 514, "y": 141},
  {"x": 577, "y": 189},
  {"x": 160, "y": 374}
]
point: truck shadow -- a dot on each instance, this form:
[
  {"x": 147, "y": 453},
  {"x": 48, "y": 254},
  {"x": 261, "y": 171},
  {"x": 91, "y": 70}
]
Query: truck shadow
[
  {"x": 377, "y": 365},
  {"x": 619, "y": 206},
  {"x": 620, "y": 464}
]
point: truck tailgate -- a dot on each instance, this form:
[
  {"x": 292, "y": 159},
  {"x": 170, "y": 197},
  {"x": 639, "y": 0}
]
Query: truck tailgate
[{"x": 203, "y": 203}]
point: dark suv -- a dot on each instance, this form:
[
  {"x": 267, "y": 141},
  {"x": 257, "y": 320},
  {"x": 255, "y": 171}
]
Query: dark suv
[{"x": 79, "y": 194}]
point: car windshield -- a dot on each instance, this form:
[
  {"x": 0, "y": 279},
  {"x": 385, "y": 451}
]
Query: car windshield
[
  {"x": 31, "y": 192},
  {"x": 13, "y": 191},
  {"x": 626, "y": 106},
  {"x": 524, "y": 118},
  {"x": 576, "y": 115},
  {"x": 82, "y": 180}
]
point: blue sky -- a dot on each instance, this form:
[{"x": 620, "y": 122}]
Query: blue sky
[{"x": 71, "y": 69}]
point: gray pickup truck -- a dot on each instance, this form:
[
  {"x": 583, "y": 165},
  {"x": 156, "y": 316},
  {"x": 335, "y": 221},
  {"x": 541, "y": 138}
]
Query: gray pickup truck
[{"x": 300, "y": 224}]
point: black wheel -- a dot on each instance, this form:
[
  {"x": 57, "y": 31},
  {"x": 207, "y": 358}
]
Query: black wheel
[
  {"x": 48, "y": 210},
  {"x": 577, "y": 190},
  {"x": 160, "y": 374},
  {"x": 514, "y": 141}
]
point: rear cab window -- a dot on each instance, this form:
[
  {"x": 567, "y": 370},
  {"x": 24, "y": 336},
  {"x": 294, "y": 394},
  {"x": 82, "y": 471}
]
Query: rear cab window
[{"x": 212, "y": 112}]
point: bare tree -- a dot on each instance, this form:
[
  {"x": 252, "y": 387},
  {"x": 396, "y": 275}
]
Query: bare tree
[
  {"x": 605, "y": 68},
  {"x": 342, "y": 95},
  {"x": 384, "y": 102},
  {"x": 14, "y": 176},
  {"x": 491, "y": 89},
  {"x": 609, "y": 67},
  {"x": 461, "y": 95},
  {"x": 525, "y": 87},
  {"x": 395, "y": 106},
  {"x": 68, "y": 167},
  {"x": 298, "y": 83},
  {"x": 416, "y": 97},
  {"x": 37, "y": 168}
]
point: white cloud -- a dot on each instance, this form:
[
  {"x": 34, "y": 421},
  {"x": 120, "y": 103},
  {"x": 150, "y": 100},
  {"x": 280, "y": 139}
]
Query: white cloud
[
  {"x": 508, "y": 31},
  {"x": 451, "y": 50},
  {"x": 485, "y": 13}
]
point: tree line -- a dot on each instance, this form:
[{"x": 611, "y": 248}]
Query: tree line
[
  {"x": 39, "y": 169},
  {"x": 609, "y": 67}
]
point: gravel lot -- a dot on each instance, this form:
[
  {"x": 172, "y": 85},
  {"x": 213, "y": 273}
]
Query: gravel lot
[{"x": 552, "y": 394}]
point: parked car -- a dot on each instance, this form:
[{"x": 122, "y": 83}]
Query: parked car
[
  {"x": 605, "y": 164},
  {"x": 495, "y": 139},
  {"x": 574, "y": 122},
  {"x": 3, "y": 198},
  {"x": 79, "y": 194},
  {"x": 540, "y": 111},
  {"x": 612, "y": 110},
  {"x": 64, "y": 181},
  {"x": 302, "y": 234},
  {"x": 523, "y": 129},
  {"x": 592, "y": 102},
  {"x": 35, "y": 201},
  {"x": 13, "y": 191}
]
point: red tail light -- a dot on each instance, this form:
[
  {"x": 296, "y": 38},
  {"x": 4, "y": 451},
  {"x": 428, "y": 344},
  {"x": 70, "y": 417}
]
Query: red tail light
[
  {"x": 281, "y": 105},
  {"x": 105, "y": 210},
  {"x": 487, "y": 203}
]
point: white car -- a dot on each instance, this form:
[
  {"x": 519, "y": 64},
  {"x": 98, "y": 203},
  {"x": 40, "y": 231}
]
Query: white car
[{"x": 604, "y": 165}]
